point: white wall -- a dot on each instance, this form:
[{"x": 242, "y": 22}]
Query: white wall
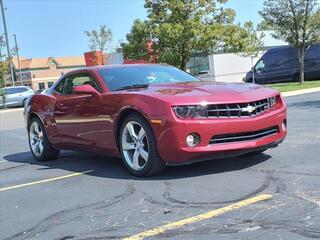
[
  {"x": 113, "y": 58},
  {"x": 230, "y": 67}
]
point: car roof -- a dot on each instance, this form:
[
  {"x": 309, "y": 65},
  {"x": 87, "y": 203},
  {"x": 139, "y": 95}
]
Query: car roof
[{"x": 16, "y": 87}]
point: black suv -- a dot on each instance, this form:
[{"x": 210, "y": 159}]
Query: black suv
[{"x": 281, "y": 64}]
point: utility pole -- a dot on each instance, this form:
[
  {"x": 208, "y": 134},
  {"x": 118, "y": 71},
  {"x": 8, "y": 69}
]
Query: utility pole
[
  {"x": 7, "y": 40},
  {"x": 17, "y": 51}
]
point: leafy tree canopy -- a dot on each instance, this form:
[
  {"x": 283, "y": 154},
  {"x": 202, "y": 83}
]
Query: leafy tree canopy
[{"x": 179, "y": 28}]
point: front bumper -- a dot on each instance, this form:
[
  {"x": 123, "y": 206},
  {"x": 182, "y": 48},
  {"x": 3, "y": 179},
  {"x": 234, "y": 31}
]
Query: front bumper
[{"x": 173, "y": 149}]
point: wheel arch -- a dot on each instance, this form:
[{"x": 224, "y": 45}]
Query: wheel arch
[
  {"x": 32, "y": 115},
  {"x": 122, "y": 116}
]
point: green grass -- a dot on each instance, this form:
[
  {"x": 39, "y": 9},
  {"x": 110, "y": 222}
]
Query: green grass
[{"x": 287, "y": 87}]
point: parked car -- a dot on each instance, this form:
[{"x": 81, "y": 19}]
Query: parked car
[
  {"x": 205, "y": 75},
  {"x": 16, "y": 96},
  {"x": 153, "y": 116},
  {"x": 281, "y": 64}
]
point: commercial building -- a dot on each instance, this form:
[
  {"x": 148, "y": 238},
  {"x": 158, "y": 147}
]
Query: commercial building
[
  {"x": 41, "y": 73},
  {"x": 229, "y": 67}
]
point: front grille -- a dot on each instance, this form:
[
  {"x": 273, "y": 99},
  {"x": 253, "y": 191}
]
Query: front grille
[
  {"x": 238, "y": 110},
  {"x": 244, "y": 136}
]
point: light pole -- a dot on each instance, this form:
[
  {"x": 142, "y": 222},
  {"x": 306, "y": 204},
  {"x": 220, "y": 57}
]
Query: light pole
[
  {"x": 17, "y": 51},
  {"x": 7, "y": 40}
]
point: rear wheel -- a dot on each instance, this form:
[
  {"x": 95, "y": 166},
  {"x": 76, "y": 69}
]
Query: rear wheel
[
  {"x": 138, "y": 147},
  {"x": 38, "y": 141}
]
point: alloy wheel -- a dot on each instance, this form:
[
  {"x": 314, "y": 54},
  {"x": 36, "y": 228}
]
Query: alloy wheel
[
  {"x": 36, "y": 138},
  {"x": 135, "y": 146}
]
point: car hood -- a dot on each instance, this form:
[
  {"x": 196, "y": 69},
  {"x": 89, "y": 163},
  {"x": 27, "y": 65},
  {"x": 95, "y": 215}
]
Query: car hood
[{"x": 195, "y": 92}]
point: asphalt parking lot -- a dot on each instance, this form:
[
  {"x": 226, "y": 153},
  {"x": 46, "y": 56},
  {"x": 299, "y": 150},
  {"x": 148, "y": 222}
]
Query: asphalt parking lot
[{"x": 84, "y": 196}]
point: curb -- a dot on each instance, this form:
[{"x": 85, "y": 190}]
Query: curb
[{"x": 299, "y": 92}]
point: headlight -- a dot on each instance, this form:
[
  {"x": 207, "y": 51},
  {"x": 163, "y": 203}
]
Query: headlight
[
  {"x": 273, "y": 101},
  {"x": 190, "y": 111}
]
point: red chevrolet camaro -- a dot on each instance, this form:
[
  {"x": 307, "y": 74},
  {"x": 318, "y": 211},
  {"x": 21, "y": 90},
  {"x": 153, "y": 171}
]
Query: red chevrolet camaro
[{"x": 153, "y": 116}]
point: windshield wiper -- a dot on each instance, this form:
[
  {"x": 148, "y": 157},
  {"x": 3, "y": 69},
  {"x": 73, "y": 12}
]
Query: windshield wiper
[{"x": 132, "y": 87}]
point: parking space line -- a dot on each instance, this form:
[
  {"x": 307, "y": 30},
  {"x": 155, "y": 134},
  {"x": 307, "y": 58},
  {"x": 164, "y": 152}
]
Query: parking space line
[
  {"x": 45, "y": 180},
  {"x": 200, "y": 217}
]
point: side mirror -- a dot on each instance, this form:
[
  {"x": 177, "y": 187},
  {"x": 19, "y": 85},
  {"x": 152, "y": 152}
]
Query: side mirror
[{"x": 85, "y": 89}]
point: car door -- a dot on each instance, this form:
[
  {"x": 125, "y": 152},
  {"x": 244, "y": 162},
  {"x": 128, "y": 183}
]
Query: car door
[
  {"x": 12, "y": 97},
  {"x": 78, "y": 116}
]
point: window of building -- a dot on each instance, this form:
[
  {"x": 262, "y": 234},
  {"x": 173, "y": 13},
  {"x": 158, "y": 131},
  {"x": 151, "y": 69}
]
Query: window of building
[
  {"x": 50, "y": 84},
  {"x": 41, "y": 86}
]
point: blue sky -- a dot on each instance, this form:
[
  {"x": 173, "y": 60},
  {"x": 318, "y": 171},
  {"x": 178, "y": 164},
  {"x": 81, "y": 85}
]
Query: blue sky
[{"x": 56, "y": 27}]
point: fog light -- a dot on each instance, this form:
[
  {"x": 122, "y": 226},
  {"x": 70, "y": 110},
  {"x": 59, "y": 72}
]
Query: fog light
[
  {"x": 192, "y": 140},
  {"x": 284, "y": 125}
]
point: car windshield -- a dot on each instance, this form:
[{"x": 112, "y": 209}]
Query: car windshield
[{"x": 142, "y": 76}]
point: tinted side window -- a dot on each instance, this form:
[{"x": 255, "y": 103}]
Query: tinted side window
[
  {"x": 19, "y": 90},
  {"x": 79, "y": 80},
  {"x": 60, "y": 87},
  {"x": 15, "y": 90},
  {"x": 313, "y": 53},
  {"x": 279, "y": 58},
  {"x": 9, "y": 91}
]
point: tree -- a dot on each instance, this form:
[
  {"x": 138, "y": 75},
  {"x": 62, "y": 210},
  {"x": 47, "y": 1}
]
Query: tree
[
  {"x": 178, "y": 29},
  {"x": 4, "y": 67},
  {"x": 137, "y": 38},
  {"x": 99, "y": 40},
  {"x": 264, "y": 26},
  {"x": 295, "y": 21},
  {"x": 252, "y": 44}
]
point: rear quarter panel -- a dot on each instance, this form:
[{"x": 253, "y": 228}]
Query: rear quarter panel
[{"x": 42, "y": 105}]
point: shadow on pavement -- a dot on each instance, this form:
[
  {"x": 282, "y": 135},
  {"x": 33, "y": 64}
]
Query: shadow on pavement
[{"x": 113, "y": 168}]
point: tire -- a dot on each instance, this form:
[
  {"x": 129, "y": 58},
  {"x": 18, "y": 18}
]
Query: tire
[
  {"x": 138, "y": 147},
  {"x": 37, "y": 138}
]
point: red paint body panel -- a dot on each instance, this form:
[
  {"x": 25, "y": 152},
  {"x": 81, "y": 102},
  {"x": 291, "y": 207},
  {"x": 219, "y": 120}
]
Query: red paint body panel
[{"x": 89, "y": 122}]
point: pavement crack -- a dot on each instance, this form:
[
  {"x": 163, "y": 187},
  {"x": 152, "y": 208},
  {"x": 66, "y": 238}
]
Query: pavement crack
[
  {"x": 267, "y": 181},
  {"x": 65, "y": 216}
]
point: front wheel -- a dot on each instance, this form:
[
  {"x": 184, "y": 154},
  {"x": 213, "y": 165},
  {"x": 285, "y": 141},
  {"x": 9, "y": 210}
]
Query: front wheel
[
  {"x": 138, "y": 147},
  {"x": 38, "y": 141}
]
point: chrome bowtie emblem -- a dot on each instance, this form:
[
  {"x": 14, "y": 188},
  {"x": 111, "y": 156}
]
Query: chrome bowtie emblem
[{"x": 248, "y": 109}]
